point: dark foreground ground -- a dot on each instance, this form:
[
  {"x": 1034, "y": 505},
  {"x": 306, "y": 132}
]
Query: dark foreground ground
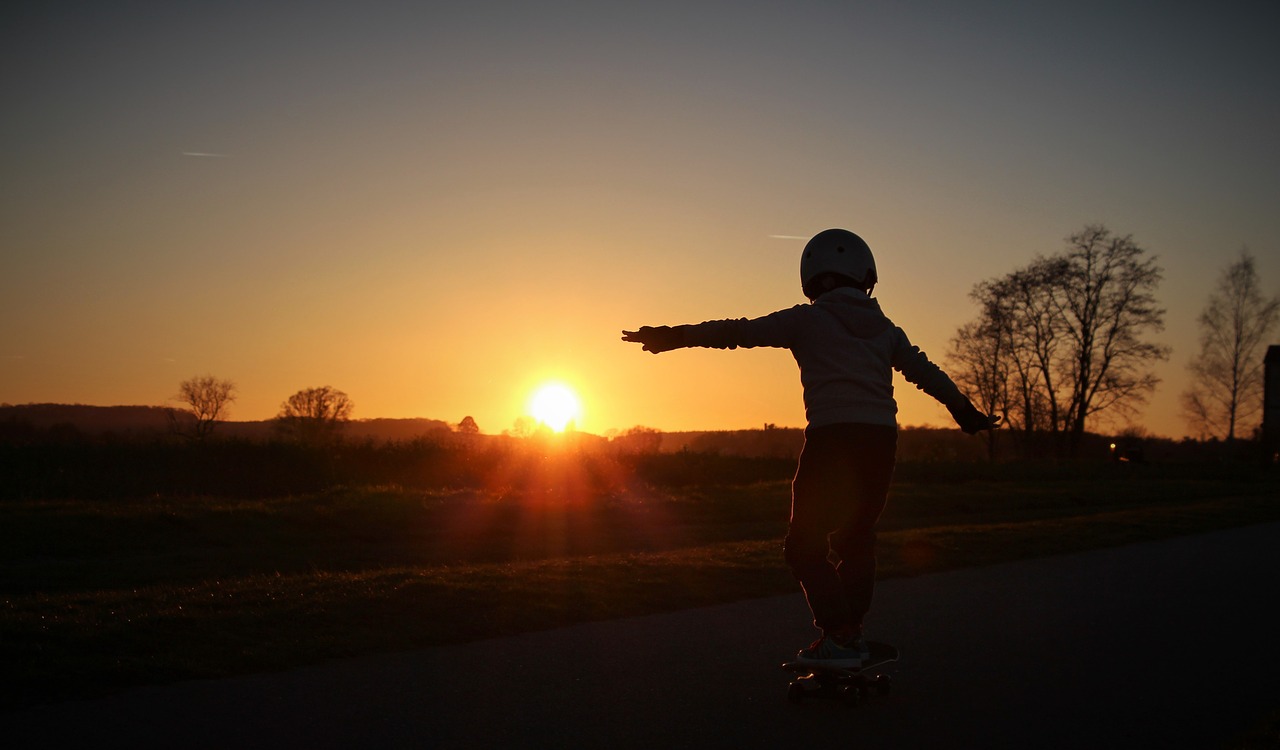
[{"x": 1169, "y": 644}]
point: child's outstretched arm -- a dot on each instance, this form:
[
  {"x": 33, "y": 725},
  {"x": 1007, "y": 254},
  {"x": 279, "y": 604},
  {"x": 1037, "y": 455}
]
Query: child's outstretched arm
[
  {"x": 657, "y": 339},
  {"x": 916, "y": 367}
]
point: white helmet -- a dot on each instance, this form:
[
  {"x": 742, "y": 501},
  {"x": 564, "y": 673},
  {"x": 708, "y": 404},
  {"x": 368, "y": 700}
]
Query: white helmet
[{"x": 837, "y": 251}]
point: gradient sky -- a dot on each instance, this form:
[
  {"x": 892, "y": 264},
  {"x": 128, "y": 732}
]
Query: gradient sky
[{"x": 435, "y": 207}]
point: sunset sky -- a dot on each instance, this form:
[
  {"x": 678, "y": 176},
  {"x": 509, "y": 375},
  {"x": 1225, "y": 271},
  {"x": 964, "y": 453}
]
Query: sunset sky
[{"x": 437, "y": 207}]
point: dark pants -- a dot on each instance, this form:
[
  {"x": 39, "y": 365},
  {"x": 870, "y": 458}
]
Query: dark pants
[{"x": 840, "y": 489}]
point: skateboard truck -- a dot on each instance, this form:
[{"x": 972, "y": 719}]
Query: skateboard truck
[{"x": 851, "y": 685}]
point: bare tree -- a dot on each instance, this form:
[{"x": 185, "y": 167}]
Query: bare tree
[
  {"x": 1024, "y": 318},
  {"x": 978, "y": 362},
  {"x": 1004, "y": 360},
  {"x": 1063, "y": 339},
  {"x": 1225, "y": 397},
  {"x": 1106, "y": 301},
  {"x": 207, "y": 400},
  {"x": 523, "y": 427},
  {"x": 468, "y": 426},
  {"x": 314, "y": 415},
  {"x": 640, "y": 440}
]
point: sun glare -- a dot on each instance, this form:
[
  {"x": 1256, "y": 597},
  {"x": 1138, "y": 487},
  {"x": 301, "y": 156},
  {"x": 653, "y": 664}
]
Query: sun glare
[{"x": 556, "y": 406}]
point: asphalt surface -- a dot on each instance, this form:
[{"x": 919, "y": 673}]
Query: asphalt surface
[{"x": 1170, "y": 644}]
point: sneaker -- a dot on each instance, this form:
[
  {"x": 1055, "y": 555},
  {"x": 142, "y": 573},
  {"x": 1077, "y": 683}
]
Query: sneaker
[{"x": 830, "y": 652}]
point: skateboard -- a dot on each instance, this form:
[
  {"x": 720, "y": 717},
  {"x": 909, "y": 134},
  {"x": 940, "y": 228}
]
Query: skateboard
[{"x": 853, "y": 685}]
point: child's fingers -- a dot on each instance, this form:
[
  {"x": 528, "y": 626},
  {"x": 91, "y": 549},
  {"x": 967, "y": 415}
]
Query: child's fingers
[{"x": 641, "y": 336}]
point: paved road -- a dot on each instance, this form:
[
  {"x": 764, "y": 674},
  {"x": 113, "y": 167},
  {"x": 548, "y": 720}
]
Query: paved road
[{"x": 1095, "y": 650}]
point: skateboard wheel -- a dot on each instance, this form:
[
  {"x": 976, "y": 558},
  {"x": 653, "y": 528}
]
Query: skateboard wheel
[
  {"x": 852, "y": 695},
  {"x": 883, "y": 684}
]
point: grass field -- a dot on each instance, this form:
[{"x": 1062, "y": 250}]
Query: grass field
[{"x": 100, "y": 595}]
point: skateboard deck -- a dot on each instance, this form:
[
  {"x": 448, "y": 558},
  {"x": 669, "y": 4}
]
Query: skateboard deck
[{"x": 853, "y": 685}]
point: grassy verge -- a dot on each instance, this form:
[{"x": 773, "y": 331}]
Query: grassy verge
[{"x": 100, "y": 596}]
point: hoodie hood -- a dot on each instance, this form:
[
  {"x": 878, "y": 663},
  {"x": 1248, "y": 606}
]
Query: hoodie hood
[{"x": 857, "y": 312}]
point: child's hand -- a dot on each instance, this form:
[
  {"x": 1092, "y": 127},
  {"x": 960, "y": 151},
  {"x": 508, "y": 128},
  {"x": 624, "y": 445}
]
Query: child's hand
[
  {"x": 656, "y": 339},
  {"x": 993, "y": 422},
  {"x": 973, "y": 421}
]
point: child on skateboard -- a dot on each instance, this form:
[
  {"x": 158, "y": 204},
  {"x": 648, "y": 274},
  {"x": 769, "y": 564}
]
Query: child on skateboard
[{"x": 846, "y": 350}]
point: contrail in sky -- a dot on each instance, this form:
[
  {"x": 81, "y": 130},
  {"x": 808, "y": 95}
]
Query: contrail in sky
[
  {"x": 204, "y": 154},
  {"x": 786, "y": 237}
]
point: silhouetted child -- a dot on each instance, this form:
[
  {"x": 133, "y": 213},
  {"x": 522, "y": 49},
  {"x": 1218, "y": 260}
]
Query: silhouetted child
[{"x": 847, "y": 350}]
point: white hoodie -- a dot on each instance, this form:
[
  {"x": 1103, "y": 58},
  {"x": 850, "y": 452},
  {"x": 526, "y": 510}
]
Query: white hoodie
[{"x": 846, "y": 349}]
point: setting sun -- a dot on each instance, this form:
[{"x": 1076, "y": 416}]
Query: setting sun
[{"x": 556, "y": 406}]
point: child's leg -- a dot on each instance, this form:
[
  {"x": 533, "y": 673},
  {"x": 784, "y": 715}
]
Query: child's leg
[
  {"x": 819, "y": 501},
  {"x": 855, "y": 541},
  {"x": 840, "y": 486}
]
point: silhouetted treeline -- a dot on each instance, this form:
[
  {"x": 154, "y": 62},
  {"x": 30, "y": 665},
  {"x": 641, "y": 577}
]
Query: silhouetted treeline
[
  {"x": 141, "y": 422},
  {"x": 62, "y": 462},
  {"x": 915, "y": 444}
]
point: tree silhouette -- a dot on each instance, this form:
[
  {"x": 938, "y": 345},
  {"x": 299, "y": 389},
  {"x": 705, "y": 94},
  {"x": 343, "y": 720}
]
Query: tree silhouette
[
  {"x": 1226, "y": 391},
  {"x": 639, "y": 440},
  {"x": 207, "y": 400},
  {"x": 314, "y": 415},
  {"x": 523, "y": 427},
  {"x": 1067, "y": 334},
  {"x": 978, "y": 367}
]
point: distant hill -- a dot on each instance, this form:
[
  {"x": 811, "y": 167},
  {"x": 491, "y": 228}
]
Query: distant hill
[
  {"x": 914, "y": 444},
  {"x": 141, "y": 421},
  {"x": 770, "y": 442},
  {"x": 92, "y": 420}
]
